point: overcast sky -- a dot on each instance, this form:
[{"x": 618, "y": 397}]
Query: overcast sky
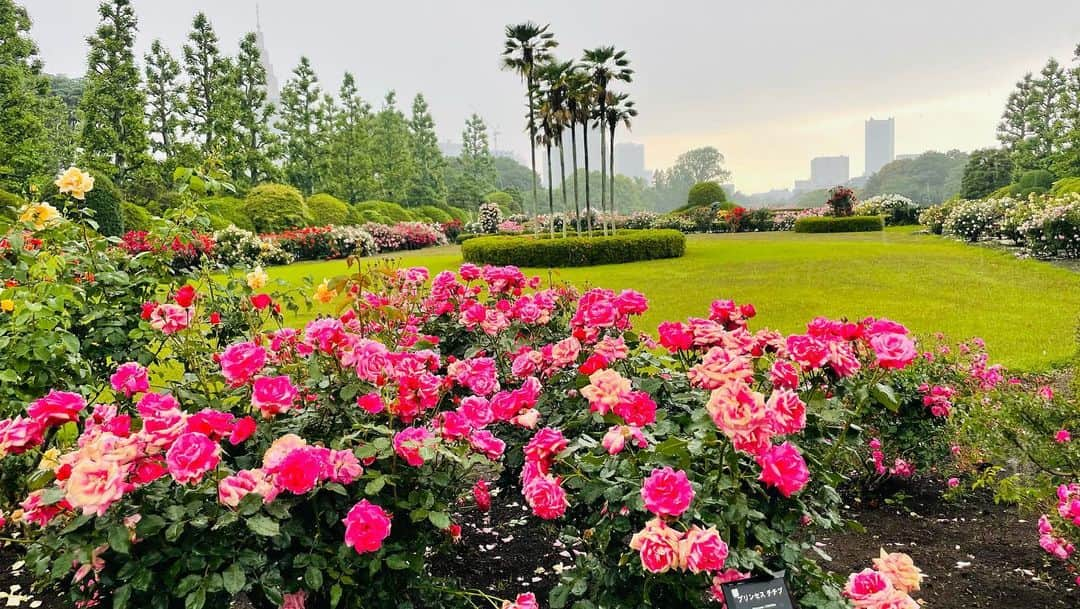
[{"x": 769, "y": 83}]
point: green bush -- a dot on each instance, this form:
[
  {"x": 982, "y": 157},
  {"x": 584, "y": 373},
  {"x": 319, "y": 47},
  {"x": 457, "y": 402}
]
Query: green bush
[
  {"x": 847, "y": 224},
  {"x": 276, "y": 207},
  {"x": 502, "y": 199},
  {"x": 327, "y": 209},
  {"x": 432, "y": 214},
  {"x": 1065, "y": 186},
  {"x": 229, "y": 210},
  {"x": 463, "y": 237},
  {"x": 1038, "y": 181},
  {"x": 574, "y": 251},
  {"x": 391, "y": 211},
  {"x": 705, "y": 193},
  {"x": 104, "y": 200},
  {"x": 456, "y": 213},
  {"x": 10, "y": 204},
  {"x": 136, "y": 217},
  {"x": 363, "y": 216}
]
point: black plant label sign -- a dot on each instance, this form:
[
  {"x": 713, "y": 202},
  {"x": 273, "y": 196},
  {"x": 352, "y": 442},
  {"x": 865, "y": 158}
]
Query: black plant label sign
[{"x": 767, "y": 592}]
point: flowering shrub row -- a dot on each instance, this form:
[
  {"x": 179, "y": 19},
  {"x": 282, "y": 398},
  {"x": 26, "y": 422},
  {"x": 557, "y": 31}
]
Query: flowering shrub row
[
  {"x": 558, "y": 251},
  {"x": 896, "y": 209},
  {"x": 1045, "y": 226}
]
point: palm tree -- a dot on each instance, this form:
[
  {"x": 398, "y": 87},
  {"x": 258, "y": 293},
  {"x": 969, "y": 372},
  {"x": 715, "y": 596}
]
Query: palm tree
[
  {"x": 554, "y": 76},
  {"x": 578, "y": 95},
  {"x": 545, "y": 138},
  {"x": 528, "y": 45},
  {"x": 605, "y": 65},
  {"x": 620, "y": 109}
]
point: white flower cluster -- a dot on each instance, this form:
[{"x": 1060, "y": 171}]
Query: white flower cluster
[
  {"x": 1046, "y": 226},
  {"x": 490, "y": 217},
  {"x": 354, "y": 240},
  {"x": 238, "y": 247}
]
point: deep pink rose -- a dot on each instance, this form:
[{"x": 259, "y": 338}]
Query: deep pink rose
[
  {"x": 783, "y": 467},
  {"x": 129, "y": 379},
  {"x": 56, "y": 408},
  {"x": 240, "y": 362},
  {"x": 303, "y": 468},
  {"x": 667, "y": 492},
  {"x": 273, "y": 395},
  {"x": 546, "y": 497},
  {"x": 191, "y": 456},
  {"x": 409, "y": 441},
  {"x": 366, "y": 526},
  {"x": 893, "y": 350}
]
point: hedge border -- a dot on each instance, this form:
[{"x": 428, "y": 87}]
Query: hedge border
[
  {"x": 528, "y": 251},
  {"x": 847, "y": 224}
]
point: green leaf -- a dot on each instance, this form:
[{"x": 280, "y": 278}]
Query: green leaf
[
  {"x": 441, "y": 520},
  {"x": 234, "y": 579},
  {"x": 558, "y": 597},
  {"x": 121, "y": 596},
  {"x": 149, "y": 525},
  {"x": 196, "y": 600},
  {"x": 335, "y": 595},
  {"x": 187, "y": 584},
  {"x": 119, "y": 539},
  {"x": 397, "y": 562},
  {"x": 249, "y": 504},
  {"x": 885, "y": 396},
  {"x": 263, "y": 525},
  {"x": 313, "y": 578},
  {"x": 375, "y": 485},
  {"x": 174, "y": 531}
]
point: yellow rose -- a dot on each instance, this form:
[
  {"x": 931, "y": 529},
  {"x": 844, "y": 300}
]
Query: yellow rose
[
  {"x": 39, "y": 214},
  {"x": 257, "y": 279},
  {"x": 76, "y": 182},
  {"x": 324, "y": 294},
  {"x": 7, "y": 305}
]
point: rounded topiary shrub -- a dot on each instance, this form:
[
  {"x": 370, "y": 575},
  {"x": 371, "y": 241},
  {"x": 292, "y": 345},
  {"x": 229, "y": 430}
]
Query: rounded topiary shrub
[
  {"x": 136, "y": 217},
  {"x": 433, "y": 214},
  {"x": 276, "y": 207},
  {"x": 327, "y": 209},
  {"x": 847, "y": 224},
  {"x": 626, "y": 246},
  {"x": 104, "y": 200},
  {"x": 705, "y": 193},
  {"x": 1038, "y": 181},
  {"x": 391, "y": 211},
  {"x": 231, "y": 211}
]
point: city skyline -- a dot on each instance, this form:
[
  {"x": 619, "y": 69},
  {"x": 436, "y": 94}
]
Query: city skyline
[{"x": 768, "y": 110}]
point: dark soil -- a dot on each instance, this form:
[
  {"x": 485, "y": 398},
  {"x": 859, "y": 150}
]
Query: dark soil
[
  {"x": 975, "y": 554},
  {"x": 15, "y": 583}
]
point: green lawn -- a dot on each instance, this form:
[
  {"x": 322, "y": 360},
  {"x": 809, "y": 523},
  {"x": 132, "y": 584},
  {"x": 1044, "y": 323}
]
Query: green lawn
[{"x": 1027, "y": 311}]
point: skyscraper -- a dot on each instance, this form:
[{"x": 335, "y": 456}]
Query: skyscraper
[
  {"x": 630, "y": 160},
  {"x": 273, "y": 93},
  {"x": 880, "y": 144},
  {"x": 829, "y": 171}
]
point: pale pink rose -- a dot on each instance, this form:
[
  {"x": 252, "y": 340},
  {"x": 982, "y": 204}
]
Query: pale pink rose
[
  {"x": 658, "y": 546},
  {"x": 527, "y": 418},
  {"x": 614, "y": 440},
  {"x": 366, "y": 526},
  {"x": 242, "y": 361},
  {"x": 893, "y": 350},
  {"x": 93, "y": 486},
  {"x": 742, "y": 415},
  {"x": 191, "y": 456},
  {"x": 702, "y": 550},
  {"x": 170, "y": 318},
  {"x": 295, "y": 600},
  {"x": 667, "y": 492},
  {"x": 345, "y": 467},
  {"x": 606, "y": 388},
  {"x": 783, "y": 468},
  {"x": 129, "y": 379},
  {"x": 273, "y": 395},
  {"x": 953, "y": 482},
  {"x": 787, "y": 411},
  {"x": 719, "y": 367},
  {"x": 232, "y": 489},
  {"x": 900, "y": 570}
]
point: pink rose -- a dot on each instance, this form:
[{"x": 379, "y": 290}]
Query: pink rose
[
  {"x": 56, "y": 408},
  {"x": 546, "y": 497},
  {"x": 129, "y": 379},
  {"x": 408, "y": 443},
  {"x": 19, "y": 435},
  {"x": 742, "y": 415},
  {"x": 658, "y": 546},
  {"x": 477, "y": 410},
  {"x": 675, "y": 336},
  {"x": 667, "y": 492},
  {"x": 240, "y": 362},
  {"x": 784, "y": 468},
  {"x": 783, "y": 374},
  {"x": 953, "y": 482},
  {"x": 482, "y": 495},
  {"x": 614, "y": 440},
  {"x": 545, "y": 444},
  {"x": 366, "y": 526},
  {"x": 1063, "y": 436},
  {"x": 303, "y": 468},
  {"x": 243, "y": 430},
  {"x": 93, "y": 486},
  {"x": 638, "y": 409},
  {"x": 232, "y": 489},
  {"x": 191, "y": 456},
  {"x": 702, "y": 550},
  {"x": 344, "y": 467},
  {"x": 295, "y": 600},
  {"x": 523, "y": 601},
  {"x": 485, "y": 442},
  {"x": 900, "y": 570},
  {"x": 371, "y": 402},
  {"x": 868, "y": 588},
  {"x": 273, "y": 395},
  {"x": 893, "y": 350},
  {"x": 788, "y": 412},
  {"x": 169, "y": 318}
]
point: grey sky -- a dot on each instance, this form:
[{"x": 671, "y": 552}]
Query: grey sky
[{"x": 769, "y": 83}]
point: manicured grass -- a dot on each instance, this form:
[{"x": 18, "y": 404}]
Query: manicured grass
[{"x": 1026, "y": 310}]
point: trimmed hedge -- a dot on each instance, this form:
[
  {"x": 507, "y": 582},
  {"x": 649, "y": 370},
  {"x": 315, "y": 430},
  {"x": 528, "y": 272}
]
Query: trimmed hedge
[
  {"x": 574, "y": 251},
  {"x": 135, "y": 217},
  {"x": 105, "y": 200},
  {"x": 327, "y": 209},
  {"x": 847, "y": 224},
  {"x": 229, "y": 210},
  {"x": 276, "y": 207}
]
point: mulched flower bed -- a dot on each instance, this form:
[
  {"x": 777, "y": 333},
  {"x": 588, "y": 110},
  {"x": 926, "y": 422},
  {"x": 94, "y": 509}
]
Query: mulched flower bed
[{"x": 976, "y": 555}]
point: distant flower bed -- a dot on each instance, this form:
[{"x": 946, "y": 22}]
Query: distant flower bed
[{"x": 1043, "y": 226}]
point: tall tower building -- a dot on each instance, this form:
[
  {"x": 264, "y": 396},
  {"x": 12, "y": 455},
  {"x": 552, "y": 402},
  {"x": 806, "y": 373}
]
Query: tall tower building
[
  {"x": 880, "y": 144},
  {"x": 829, "y": 171},
  {"x": 630, "y": 160},
  {"x": 273, "y": 91}
]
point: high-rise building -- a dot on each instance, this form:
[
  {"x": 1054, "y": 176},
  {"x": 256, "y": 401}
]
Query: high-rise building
[
  {"x": 829, "y": 171},
  {"x": 273, "y": 92},
  {"x": 630, "y": 160},
  {"x": 880, "y": 144}
]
